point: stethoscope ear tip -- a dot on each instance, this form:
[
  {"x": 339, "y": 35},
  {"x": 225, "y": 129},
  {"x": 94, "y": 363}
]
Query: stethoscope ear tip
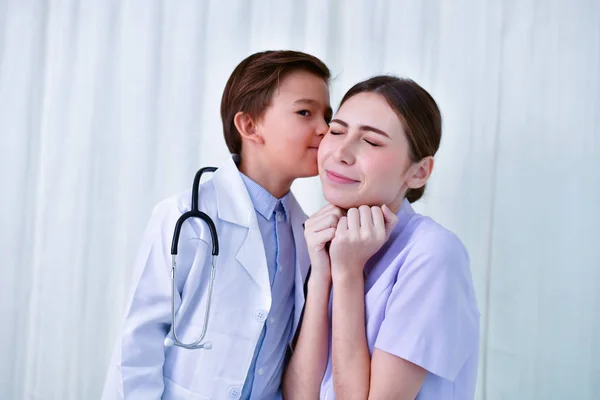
[
  {"x": 169, "y": 342},
  {"x": 207, "y": 346}
]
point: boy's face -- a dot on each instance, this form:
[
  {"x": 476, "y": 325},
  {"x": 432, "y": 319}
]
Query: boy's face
[{"x": 294, "y": 124}]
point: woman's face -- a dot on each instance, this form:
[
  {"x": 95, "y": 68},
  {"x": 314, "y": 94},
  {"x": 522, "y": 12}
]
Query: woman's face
[{"x": 364, "y": 159}]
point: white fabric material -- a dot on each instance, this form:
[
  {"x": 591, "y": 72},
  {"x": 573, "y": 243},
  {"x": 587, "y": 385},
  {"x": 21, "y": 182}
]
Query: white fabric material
[
  {"x": 106, "y": 107},
  {"x": 141, "y": 368}
]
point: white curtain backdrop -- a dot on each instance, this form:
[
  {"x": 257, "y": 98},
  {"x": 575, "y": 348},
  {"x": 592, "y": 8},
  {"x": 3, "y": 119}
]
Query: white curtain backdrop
[{"x": 108, "y": 106}]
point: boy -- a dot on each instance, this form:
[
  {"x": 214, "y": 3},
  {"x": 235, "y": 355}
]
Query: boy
[{"x": 275, "y": 110}]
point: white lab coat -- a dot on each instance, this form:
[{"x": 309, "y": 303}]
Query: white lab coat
[{"x": 141, "y": 367}]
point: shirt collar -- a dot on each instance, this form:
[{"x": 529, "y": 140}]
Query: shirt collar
[{"x": 263, "y": 201}]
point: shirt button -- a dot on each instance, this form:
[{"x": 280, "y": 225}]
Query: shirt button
[
  {"x": 261, "y": 371},
  {"x": 235, "y": 392},
  {"x": 272, "y": 320},
  {"x": 260, "y": 315},
  {"x": 279, "y": 217}
]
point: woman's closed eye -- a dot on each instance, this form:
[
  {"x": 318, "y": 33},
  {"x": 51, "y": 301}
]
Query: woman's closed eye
[{"x": 372, "y": 143}]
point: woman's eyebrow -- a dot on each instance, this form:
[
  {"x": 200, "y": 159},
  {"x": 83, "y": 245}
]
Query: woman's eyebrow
[{"x": 362, "y": 127}]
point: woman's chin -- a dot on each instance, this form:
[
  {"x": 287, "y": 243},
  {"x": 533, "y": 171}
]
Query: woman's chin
[{"x": 343, "y": 200}]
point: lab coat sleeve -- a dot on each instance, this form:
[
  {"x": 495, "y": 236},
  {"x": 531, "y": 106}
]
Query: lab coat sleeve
[
  {"x": 431, "y": 318},
  {"x": 139, "y": 355}
]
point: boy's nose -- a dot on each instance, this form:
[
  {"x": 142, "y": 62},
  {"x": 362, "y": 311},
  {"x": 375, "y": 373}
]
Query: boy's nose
[{"x": 322, "y": 128}]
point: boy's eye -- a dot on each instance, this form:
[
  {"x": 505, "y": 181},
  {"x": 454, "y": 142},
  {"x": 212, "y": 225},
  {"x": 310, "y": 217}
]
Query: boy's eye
[
  {"x": 335, "y": 133},
  {"x": 304, "y": 113}
]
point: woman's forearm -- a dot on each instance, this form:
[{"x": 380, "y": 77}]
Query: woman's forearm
[
  {"x": 351, "y": 358},
  {"x": 305, "y": 371}
]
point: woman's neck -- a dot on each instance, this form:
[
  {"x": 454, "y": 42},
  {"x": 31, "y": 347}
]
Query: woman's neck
[{"x": 396, "y": 204}]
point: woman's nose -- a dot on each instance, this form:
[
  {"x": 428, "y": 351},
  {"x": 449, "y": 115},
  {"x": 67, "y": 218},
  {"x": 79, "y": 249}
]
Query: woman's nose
[{"x": 344, "y": 153}]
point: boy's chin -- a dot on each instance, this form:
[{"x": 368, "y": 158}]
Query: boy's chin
[{"x": 307, "y": 172}]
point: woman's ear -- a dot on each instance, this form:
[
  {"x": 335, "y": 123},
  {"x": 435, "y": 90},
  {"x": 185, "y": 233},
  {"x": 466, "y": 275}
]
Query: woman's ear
[
  {"x": 246, "y": 126},
  {"x": 419, "y": 173}
]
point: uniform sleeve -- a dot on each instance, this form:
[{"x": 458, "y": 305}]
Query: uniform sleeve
[
  {"x": 136, "y": 371},
  {"x": 431, "y": 318}
]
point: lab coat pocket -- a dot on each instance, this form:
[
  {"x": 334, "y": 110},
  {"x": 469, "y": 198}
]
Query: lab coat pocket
[
  {"x": 175, "y": 392},
  {"x": 197, "y": 372}
]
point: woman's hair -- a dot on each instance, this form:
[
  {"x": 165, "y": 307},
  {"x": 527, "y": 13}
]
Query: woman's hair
[
  {"x": 252, "y": 83},
  {"x": 418, "y": 113}
]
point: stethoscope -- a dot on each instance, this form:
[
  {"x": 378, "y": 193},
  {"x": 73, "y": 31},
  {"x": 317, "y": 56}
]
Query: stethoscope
[{"x": 193, "y": 213}]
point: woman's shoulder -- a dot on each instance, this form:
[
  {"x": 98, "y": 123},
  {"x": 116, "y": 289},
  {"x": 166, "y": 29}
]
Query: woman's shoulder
[
  {"x": 429, "y": 255},
  {"x": 424, "y": 237}
]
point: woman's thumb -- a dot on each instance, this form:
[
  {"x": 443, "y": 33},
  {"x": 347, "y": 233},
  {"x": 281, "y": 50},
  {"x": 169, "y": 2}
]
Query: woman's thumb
[{"x": 389, "y": 218}]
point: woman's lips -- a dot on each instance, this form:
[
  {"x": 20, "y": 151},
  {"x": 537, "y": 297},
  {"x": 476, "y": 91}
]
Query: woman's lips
[{"x": 338, "y": 178}]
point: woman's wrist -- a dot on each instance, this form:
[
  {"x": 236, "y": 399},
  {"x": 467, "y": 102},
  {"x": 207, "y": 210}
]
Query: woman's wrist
[
  {"x": 347, "y": 274},
  {"x": 320, "y": 278}
]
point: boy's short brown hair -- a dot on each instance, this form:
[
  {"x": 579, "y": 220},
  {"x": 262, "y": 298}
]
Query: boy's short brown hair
[{"x": 252, "y": 83}]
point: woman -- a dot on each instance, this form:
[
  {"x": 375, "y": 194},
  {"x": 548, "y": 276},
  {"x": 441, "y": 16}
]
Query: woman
[{"x": 390, "y": 310}]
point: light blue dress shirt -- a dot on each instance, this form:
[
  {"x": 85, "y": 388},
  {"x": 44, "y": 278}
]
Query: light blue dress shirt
[{"x": 264, "y": 376}]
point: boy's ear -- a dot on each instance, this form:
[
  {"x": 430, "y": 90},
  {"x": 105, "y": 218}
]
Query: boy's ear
[{"x": 246, "y": 126}]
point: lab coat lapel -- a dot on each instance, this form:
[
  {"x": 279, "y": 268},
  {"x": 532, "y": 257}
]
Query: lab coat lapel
[
  {"x": 235, "y": 206},
  {"x": 302, "y": 260}
]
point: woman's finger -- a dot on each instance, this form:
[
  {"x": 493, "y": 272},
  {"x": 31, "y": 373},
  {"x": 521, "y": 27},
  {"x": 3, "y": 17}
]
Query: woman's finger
[
  {"x": 342, "y": 225},
  {"x": 328, "y": 207},
  {"x": 390, "y": 219},
  {"x": 378, "y": 220},
  {"x": 324, "y": 220},
  {"x": 353, "y": 219},
  {"x": 324, "y": 236},
  {"x": 366, "y": 219}
]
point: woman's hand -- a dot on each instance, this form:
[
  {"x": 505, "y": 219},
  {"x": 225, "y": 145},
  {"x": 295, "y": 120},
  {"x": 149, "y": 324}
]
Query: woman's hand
[
  {"x": 304, "y": 373},
  {"x": 358, "y": 236},
  {"x": 319, "y": 229}
]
